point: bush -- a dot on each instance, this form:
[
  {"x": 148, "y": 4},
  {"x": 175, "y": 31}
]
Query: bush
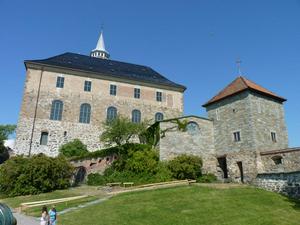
[
  {"x": 73, "y": 148},
  {"x": 96, "y": 179},
  {"x": 24, "y": 176},
  {"x": 185, "y": 167},
  {"x": 207, "y": 178},
  {"x": 142, "y": 161}
]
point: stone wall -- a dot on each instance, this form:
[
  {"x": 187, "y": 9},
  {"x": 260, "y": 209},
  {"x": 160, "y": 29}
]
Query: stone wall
[
  {"x": 73, "y": 95},
  {"x": 289, "y": 160},
  {"x": 196, "y": 140},
  {"x": 284, "y": 183}
]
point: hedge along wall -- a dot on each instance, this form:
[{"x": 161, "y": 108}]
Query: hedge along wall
[{"x": 284, "y": 183}]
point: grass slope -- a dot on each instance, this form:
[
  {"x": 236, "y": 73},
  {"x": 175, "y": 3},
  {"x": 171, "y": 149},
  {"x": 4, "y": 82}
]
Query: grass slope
[{"x": 191, "y": 205}]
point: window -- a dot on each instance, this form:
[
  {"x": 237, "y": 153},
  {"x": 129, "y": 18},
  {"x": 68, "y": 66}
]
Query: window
[
  {"x": 137, "y": 93},
  {"x": 85, "y": 113},
  {"x": 237, "y": 136},
  {"x": 218, "y": 114},
  {"x": 60, "y": 82},
  {"x": 136, "y": 116},
  {"x": 277, "y": 160},
  {"x": 87, "y": 85},
  {"x": 273, "y": 136},
  {"x": 56, "y": 110},
  {"x": 111, "y": 113},
  {"x": 159, "y": 116},
  {"x": 158, "y": 96},
  {"x": 113, "y": 89},
  {"x": 44, "y": 138},
  {"x": 192, "y": 128}
]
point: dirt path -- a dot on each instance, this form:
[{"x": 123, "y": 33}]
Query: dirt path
[{"x": 26, "y": 220}]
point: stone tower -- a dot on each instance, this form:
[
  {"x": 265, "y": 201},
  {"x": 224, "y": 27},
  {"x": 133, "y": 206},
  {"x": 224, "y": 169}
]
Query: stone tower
[{"x": 247, "y": 119}]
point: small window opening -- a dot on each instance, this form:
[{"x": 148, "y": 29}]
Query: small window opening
[
  {"x": 277, "y": 160},
  {"x": 237, "y": 136},
  {"x": 44, "y": 138}
]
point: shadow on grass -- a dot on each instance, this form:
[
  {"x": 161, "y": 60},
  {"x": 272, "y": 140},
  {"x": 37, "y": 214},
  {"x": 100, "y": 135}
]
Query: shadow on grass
[{"x": 294, "y": 201}]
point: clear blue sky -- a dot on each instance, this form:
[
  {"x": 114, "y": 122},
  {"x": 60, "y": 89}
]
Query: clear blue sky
[{"x": 195, "y": 43}]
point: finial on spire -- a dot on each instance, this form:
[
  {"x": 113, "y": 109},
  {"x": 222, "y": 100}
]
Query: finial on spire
[
  {"x": 100, "y": 51},
  {"x": 238, "y": 63}
]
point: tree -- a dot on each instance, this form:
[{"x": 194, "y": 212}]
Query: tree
[
  {"x": 121, "y": 131},
  {"x": 5, "y": 131},
  {"x": 73, "y": 148}
]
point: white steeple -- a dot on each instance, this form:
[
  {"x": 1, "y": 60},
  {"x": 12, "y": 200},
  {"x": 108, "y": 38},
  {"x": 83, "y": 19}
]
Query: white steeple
[{"x": 100, "y": 51}]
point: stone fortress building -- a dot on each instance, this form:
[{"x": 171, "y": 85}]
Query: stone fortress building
[{"x": 70, "y": 95}]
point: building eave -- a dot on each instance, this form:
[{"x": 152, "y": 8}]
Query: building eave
[{"x": 97, "y": 75}]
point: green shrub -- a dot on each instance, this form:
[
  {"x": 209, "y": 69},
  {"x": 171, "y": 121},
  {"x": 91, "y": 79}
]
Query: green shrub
[
  {"x": 23, "y": 176},
  {"x": 207, "y": 178},
  {"x": 185, "y": 167},
  {"x": 142, "y": 161},
  {"x": 73, "y": 148},
  {"x": 96, "y": 179}
]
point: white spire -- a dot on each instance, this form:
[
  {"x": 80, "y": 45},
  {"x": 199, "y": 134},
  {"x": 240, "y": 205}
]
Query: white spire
[{"x": 100, "y": 51}]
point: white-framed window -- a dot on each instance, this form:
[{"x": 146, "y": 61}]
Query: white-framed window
[
  {"x": 87, "y": 85},
  {"x": 60, "y": 82},
  {"x": 111, "y": 113},
  {"x": 159, "y": 96},
  {"x": 85, "y": 113},
  {"x": 237, "y": 136},
  {"x": 44, "y": 138},
  {"x": 137, "y": 93},
  {"x": 218, "y": 114},
  {"x": 113, "y": 89},
  {"x": 159, "y": 116},
  {"x": 136, "y": 116},
  {"x": 273, "y": 137},
  {"x": 56, "y": 110}
]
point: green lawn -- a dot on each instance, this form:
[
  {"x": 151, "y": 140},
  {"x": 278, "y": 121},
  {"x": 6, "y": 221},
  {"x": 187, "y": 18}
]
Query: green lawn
[
  {"x": 92, "y": 193},
  {"x": 190, "y": 205}
]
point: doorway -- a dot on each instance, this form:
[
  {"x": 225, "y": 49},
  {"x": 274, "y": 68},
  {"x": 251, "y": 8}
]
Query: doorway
[
  {"x": 240, "y": 165},
  {"x": 223, "y": 165}
]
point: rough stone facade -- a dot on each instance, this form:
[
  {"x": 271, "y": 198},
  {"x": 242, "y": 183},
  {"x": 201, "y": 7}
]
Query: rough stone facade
[
  {"x": 197, "y": 140},
  {"x": 278, "y": 161},
  {"x": 40, "y": 91},
  {"x": 284, "y": 183}
]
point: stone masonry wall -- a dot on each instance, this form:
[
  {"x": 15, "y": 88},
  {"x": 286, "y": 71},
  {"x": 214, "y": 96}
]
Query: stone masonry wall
[
  {"x": 290, "y": 159},
  {"x": 73, "y": 95},
  {"x": 197, "y": 142},
  {"x": 284, "y": 183}
]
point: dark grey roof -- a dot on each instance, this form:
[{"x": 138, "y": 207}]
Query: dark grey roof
[{"x": 107, "y": 67}]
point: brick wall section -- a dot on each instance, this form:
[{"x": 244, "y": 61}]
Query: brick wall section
[
  {"x": 284, "y": 183},
  {"x": 73, "y": 96}
]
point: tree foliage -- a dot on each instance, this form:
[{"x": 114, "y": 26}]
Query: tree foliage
[
  {"x": 121, "y": 131},
  {"x": 73, "y": 148},
  {"x": 38, "y": 174},
  {"x": 5, "y": 131},
  {"x": 185, "y": 167}
]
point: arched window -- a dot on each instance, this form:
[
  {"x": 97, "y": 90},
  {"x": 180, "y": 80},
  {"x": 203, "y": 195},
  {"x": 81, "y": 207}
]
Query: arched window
[
  {"x": 277, "y": 159},
  {"x": 85, "y": 113},
  {"x": 136, "y": 116},
  {"x": 111, "y": 113},
  {"x": 159, "y": 117},
  {"x": 56, "y": 110},
  {"x": 192, "y": 128}
]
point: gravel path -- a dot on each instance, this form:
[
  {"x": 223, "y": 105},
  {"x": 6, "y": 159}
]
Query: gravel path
[{"x": 26, "y": 220}]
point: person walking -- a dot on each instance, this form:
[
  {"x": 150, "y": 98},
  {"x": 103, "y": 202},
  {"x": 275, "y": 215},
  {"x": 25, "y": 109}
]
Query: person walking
[
  {"x": 45, "y": 216},
  {"x": 53, "y": 216}
]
